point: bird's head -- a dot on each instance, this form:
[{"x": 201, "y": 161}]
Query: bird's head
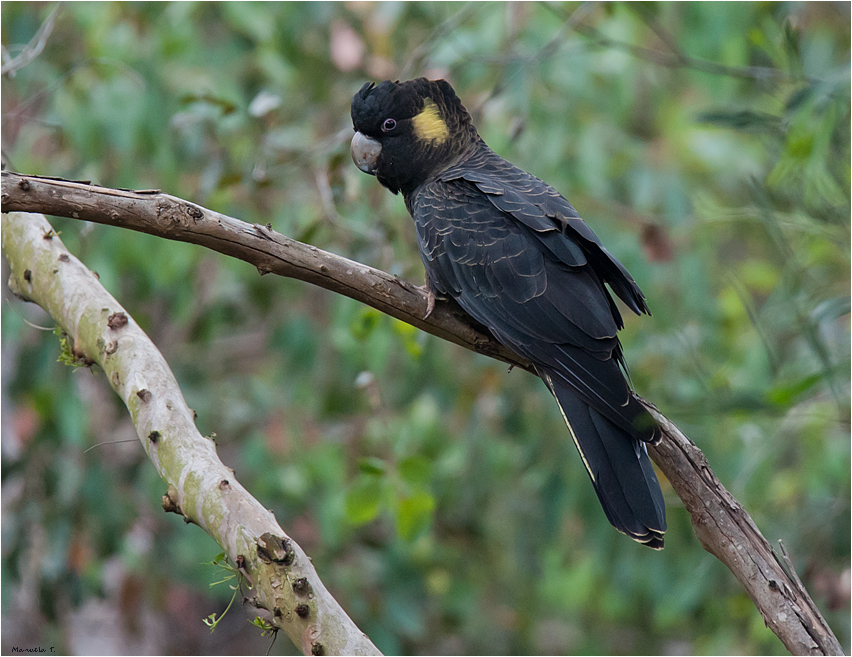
[{"x": 407, "y": 131}]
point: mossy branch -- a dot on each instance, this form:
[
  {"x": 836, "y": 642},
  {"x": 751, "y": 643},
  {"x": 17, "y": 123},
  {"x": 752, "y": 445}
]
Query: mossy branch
[{"x": 200, "y": 487}]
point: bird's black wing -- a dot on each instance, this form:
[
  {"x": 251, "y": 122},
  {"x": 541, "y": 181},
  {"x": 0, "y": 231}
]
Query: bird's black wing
[
  {"x": 517, "y": 257},
  {"x": 554, "y": 220},
  {"x": 537, "y": 282}
]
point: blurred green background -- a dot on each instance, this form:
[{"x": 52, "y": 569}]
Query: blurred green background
[{"x": 439, "y": 497}]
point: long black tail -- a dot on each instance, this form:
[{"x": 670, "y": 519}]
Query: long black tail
[{"x": 619, "y": 466}]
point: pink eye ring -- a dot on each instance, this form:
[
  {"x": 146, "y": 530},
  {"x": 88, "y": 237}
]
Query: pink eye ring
[{"x": 388, "y": 125}]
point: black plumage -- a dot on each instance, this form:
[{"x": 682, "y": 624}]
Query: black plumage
[{"x": 518, "y": 258}]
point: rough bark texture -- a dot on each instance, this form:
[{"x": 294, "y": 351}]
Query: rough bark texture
[
  {"x": 200, "y": 488},
  {"x": 173, "y": 218},
  {"x": 727, "y": 531},
  {"x": 721, "y": 524}
]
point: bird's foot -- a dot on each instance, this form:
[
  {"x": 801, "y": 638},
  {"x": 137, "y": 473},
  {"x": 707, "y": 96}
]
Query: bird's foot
[{"x": 430, "y": 301}]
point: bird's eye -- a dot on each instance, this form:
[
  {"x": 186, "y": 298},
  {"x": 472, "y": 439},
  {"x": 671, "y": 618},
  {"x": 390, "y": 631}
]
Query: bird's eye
[{"x": 388, "y": 125}]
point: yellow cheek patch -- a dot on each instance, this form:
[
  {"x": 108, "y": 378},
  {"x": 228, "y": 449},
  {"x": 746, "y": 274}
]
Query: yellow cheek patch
[{"x": 429, "y": 126}]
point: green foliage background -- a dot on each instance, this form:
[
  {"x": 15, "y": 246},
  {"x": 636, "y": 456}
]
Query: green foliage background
[{"x": 440, "y": 498}]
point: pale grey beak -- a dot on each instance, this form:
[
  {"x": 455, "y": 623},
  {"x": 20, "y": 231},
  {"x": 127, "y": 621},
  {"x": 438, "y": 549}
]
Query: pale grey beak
[{"x": 365, "y": 152}]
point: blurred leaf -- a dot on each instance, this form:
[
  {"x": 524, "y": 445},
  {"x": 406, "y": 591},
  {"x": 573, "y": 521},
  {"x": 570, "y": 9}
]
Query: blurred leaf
[
  {"x": 745, "y": 120},
  {"x": 785, "y": 393},
  {"x": 372, "y": 466},
  {"x": 416, "y": 470},
  {"x": 363, "y": 500},
  {"x": 411, "y": 337},
  {"x": 365, "y": 322},
  {"x": 414, "y": 515}
]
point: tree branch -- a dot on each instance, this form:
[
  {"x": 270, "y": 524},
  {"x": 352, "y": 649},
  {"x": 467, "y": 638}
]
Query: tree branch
[
  {"x": 149, "y": 211},
  {"x": 201, "y": 488},
  {"x": 721, "y": 524}
]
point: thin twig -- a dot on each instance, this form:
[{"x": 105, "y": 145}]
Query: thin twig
[{"x": 33, "y": 49}]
